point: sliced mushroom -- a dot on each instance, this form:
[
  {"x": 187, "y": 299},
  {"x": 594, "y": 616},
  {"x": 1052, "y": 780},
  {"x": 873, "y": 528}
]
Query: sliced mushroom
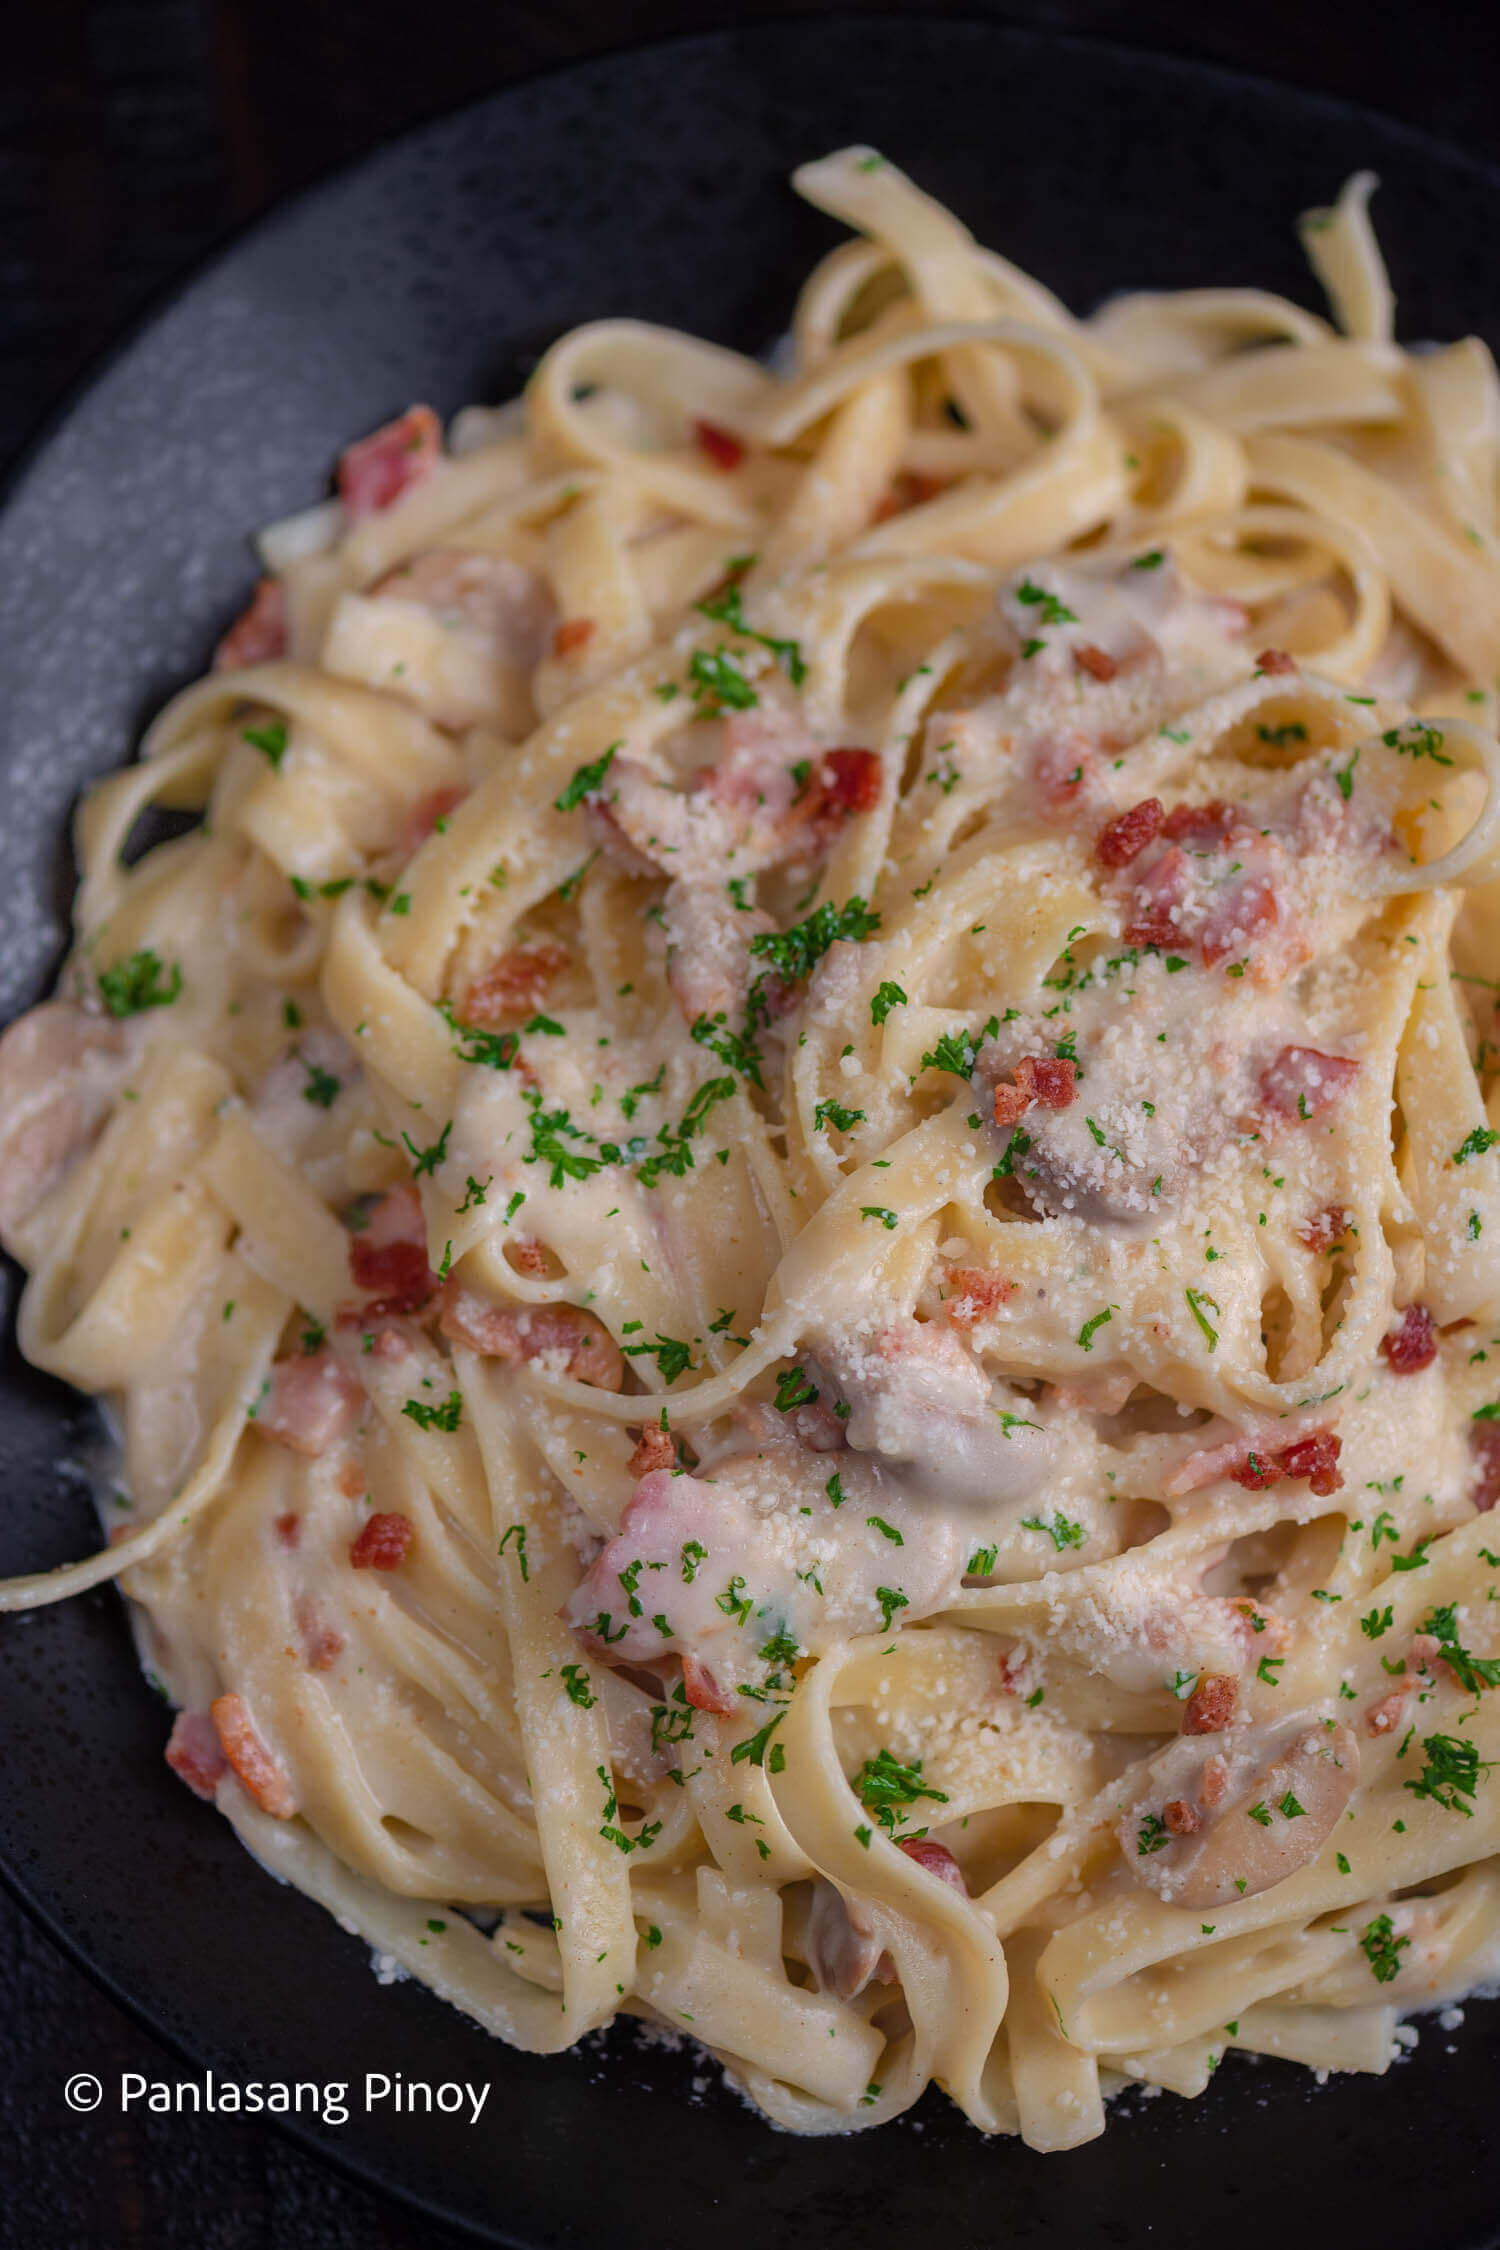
[{"x": 1264, "y": 1801}]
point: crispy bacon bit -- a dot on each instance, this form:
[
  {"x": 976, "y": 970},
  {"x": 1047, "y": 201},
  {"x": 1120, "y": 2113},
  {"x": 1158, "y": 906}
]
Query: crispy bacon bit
[
  {"x": 383, "y": 1543},
  {"x": 322, "y": 1643},
  {"x": 847, "y": 781},
  {"x": 1047, "y": 1079},
  {"x": 1385, "y": 1716},
  {"x": 1484, "y": 1437},
  {"x": 1303, "y": 1083},
  {"x": 1413, "y": 1345},
  {"x": 194, "y": 1754},
  {"x": 424, "y": 816},
  {"x": 573, "y": 634},
  {"x": 389, "y": 1255},
  {"x": 723, "y": 448},
  {"x": 1180, "y": 1818},
  {"x": 1203, "y": 828},
  {"x": 1212, "y": 1704},
  {"x": 1038, "y": 1078},
  {"x": 1311, "y": 1460},
  {"x": 289, "y": 1528},
  {"x": 528, "y": 1255},
  {"x": 1157, "y": 901},
  {"x": 654, "y": 1450},
  {"x": 312, "y": 1402},
  {"x": 256, "y": 1770},
  {"x": 380, "y": 467},
  {"x": 258, "y": 635},
  {"x": 1213, "y": 1782},
  {"x": 1015, "y": 1669},
  {"x": 975, "y": 1292},
  {"x": 936, "y": 1858},
  {"x": 1275, "y": 661},
  {"x": 1325, "y": 1228},
  {"x": 1095, "y": 661},
  {"x": 702, "y": 1689},
  {"x": 910, "y": 489},
  {"x": 593, "y": 1356},
  {"x": 1246, "y": 909},
  {"x": 514, "y": 986},
  {"x": 1130, "y": 833}
]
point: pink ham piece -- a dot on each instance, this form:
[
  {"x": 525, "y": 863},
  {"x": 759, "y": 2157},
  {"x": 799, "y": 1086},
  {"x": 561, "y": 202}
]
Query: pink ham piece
[
  {"x": 1303, "y": 1084},
  {"x": 380, "y": 467},
  {"x": 703, "y": 1690},
  {"x": 312, "y": 1403},
  {"x": 194, "y": 1753},
  {"x": 937, "y": 1859},
  {"x": 500, "y": 1332},
  {"x": 388, "y": 1255},
  {"x": 255, "y": 1769},
  {"x": 383, "y": 1543},
  {"x": 259, "y": 634},
  {"x": 514, "y": 985}
]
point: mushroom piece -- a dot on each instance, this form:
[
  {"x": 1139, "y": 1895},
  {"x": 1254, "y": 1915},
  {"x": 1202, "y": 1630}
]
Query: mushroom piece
[{"x": 1264, "y": 1801}]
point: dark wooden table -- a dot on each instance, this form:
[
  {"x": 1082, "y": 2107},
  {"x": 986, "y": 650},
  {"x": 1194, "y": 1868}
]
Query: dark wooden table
[{"x": 134, "y": 134}]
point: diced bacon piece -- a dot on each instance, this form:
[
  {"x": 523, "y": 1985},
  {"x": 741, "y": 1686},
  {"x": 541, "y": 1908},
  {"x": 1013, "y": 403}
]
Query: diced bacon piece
[
  {"x": 514, "y": 986},
  {"x": 910, "y": 489},
  {"x": 1157, "y": 900},
  {"x": 322, "y": 1643},
  {"x": 1275, "y": 661},
  {"x": 1325, "y": 1228},
  {"x": 703, "y": 1690},
  {"x": 1413, "y": 1345},
  {"x": 528, "y": 1255},
  {"x": 1097, "y": 662},
  {"x": 289, "y": 1528},
  {"x": 258, "y": 635},
  {"x": 1180, "y": 1818},
  {"x": 388, "y": 1256},
  {"x": 1312, "y": 1460},
  {"x": 1015, "y": 1670},
  {"x": 936, "y": 1858},
  {"x": 1484, "y": 1440},
  {"x": 723, "y": 448},
  {"x": 255, "y": 1769},
  {"x": 1129, "y": 833},
  {"x": 973, "y": 1294},
  {"x": 1213, "y": 1783},
  {"x": 848, "y": 781},
  {"x": 1303, "y": 1083},
  {"x": 1010, "y": 1104},
  {"x": 1063, "y": 767},
  {"x": 654, "y": 1450},
  {"x": 1424, "y": 1647},
  {"x": 424, "y": 816},
  {"x": 194, "y": 1753},
  {"x": 352, "y": 1479},
  {"x": 1047, "y": 1079},
  {"x": 313, "y": 1401},
  {"x": 1241, "y": 914},
  {"x": 1206, "y": 827},
  {"x": 1387, "y": 1715},
  {"x": 383, "y": 1542},
  {"x": 377, "y": 470},
  {"x": 572, "y": 636},
  {"x": 592, "y": 1355},
  {"x": 1212, "y": 1704}
]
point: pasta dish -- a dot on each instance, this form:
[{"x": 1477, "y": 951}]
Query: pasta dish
[{"x": 785, "y": 1192}]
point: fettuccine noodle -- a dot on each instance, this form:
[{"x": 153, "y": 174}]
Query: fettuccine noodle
[{"x": 791, "y": 1204}]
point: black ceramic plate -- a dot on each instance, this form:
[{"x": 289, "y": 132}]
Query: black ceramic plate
[{"x": 652, "y": 183}]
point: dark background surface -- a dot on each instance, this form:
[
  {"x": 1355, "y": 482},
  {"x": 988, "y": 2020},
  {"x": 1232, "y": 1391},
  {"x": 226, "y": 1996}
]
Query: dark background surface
[{"x": 134, "y": 134}]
